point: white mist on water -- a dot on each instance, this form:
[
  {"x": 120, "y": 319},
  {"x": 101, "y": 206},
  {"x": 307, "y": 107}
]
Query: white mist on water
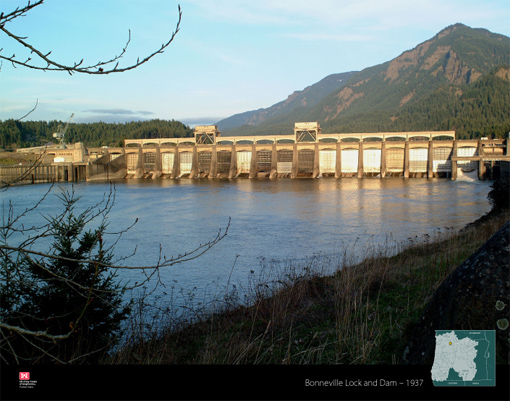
[{"x": 468, "y": 176}]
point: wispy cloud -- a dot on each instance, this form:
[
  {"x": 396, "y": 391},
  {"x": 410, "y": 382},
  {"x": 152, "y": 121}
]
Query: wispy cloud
[
  {"x": 118, "y": 112},
  {"x": 312, "y": 37},
  {"x": 342, "y": 15}
]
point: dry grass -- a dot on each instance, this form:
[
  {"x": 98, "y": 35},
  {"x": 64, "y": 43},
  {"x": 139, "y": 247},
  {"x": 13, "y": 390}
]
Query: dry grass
[
  {"x": 14, "y": 158},
  {"x": 362, "y": 314}
]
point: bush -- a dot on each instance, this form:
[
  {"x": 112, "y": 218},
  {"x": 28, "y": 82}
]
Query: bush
[{"x": 64, "y": 306}]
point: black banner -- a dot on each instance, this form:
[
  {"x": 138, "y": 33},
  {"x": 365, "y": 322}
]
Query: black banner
[{"x": 197, "y": 382}]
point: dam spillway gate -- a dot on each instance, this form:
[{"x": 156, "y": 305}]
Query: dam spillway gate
[{"x": 308, "y": 153}]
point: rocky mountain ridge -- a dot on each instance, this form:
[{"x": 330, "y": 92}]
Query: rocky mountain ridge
[{"x": 459, "y": 74}]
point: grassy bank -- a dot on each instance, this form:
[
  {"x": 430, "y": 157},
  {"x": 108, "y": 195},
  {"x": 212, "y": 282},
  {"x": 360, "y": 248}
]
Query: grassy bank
[
  {"x": 362, "y": 314},
  {"x": 14, "y": 158}
]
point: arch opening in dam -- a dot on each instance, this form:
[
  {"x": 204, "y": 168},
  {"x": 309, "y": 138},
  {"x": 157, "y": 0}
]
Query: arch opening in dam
[{"x": 305, "y": 153}]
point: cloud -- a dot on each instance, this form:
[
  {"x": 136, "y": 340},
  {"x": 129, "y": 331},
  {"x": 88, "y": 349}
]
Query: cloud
[
  {"x": 118, "y": 112},
  {"x": 193, "y": 121},
  {"x": 350, "y": 15},
  {"x": 315, "y": 36}
]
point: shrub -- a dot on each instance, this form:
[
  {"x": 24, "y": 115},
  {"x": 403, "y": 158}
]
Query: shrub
[{"x": 65, "y": 305}]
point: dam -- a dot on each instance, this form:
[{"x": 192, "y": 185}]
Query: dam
[
  {"x": 305, "y": 153},
  {"x": 309, "y": 153}
]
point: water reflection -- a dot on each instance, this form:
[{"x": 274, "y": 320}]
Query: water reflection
[{"x": 273, "y": 219}]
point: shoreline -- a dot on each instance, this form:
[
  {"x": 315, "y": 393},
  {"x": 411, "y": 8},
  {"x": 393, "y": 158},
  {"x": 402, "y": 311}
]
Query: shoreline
[{"x": 305, "y": 320}]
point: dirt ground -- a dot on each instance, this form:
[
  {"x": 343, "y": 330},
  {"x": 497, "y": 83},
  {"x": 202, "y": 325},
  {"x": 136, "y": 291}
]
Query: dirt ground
[{"x": 14, "y": 158}]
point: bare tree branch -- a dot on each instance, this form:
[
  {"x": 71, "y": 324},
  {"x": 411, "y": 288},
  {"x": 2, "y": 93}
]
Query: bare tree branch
[
  {"x": 162, "y": 262},
  {"x": 101, "y": 67},
  {"x": 26, "y": 115},
  {"x": 21, "y": 258}
]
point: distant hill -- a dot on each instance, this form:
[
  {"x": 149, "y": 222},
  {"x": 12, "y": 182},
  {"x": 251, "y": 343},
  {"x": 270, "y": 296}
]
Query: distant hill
[
  {"x": 22, "y": 134},
  {"x": 304, "y": 99},
  {"x": 457, "y": 80}
]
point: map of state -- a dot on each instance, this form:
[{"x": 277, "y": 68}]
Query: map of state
[{"x": 464, "y": 358}]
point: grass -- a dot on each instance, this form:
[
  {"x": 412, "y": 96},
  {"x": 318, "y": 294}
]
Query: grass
[
  {"x": 361, "y": 314},
  {"x": 14, "y": 159}
]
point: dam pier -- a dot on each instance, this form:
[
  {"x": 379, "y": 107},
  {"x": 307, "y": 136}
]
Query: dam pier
[
  {"x": 306, "y": 153},
  {"x": 309, "y": 153}
]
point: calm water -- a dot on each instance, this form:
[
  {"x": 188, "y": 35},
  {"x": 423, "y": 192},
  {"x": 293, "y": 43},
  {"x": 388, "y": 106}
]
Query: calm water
[{"x": 280, "y": 219}]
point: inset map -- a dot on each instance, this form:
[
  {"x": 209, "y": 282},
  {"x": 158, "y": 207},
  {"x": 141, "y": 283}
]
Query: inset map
[{"x": 465, "y": 358}]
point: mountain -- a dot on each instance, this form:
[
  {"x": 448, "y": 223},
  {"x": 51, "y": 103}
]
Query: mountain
[
  {"x": 306, "y": 98},
  {"x": 458, "y": 80}
]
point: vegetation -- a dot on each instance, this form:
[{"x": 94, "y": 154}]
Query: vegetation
[
  {"x": 458, "y": 80},
  {"x": 62, "y": 307},
  {"x": 362, "y": 314},
  {"x": 499, "y": 196},
  {"x": 36, "y": 133},
  {"x": 475, "y": 110},
  {"x": 60, "y": 298}
]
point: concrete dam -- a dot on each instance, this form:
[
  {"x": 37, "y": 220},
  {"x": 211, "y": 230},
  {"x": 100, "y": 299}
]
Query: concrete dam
[
  {"x": 309, "y": 153},
  {"x": 306, "y": 153}
]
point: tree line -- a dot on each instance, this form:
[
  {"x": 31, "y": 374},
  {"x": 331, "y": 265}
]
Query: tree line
[
  {"x": 474, "y": 110},
  {"x": 22, "y": 134}
]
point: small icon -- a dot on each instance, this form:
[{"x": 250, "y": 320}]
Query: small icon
[{"x": 24, "y": 375}]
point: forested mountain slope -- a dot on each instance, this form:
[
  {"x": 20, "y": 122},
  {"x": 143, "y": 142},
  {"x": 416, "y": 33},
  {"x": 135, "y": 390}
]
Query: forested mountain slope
[
  {"x": 458, "y": 80},
  {"x": 299, "y": 100}
]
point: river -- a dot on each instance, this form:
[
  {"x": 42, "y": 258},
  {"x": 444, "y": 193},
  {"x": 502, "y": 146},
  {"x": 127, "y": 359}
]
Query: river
[{"x": 273, "y": 222}]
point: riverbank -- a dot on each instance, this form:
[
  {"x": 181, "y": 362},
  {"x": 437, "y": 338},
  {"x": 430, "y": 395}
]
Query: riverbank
[{"x": 362, "y": 314}]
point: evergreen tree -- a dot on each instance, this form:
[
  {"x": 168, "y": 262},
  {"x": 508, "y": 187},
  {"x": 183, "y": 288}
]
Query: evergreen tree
[{"x": 65, "y": 306}]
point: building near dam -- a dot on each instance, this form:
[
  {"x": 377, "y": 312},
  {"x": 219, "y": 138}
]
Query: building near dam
[{"x": 305, "y": 153}]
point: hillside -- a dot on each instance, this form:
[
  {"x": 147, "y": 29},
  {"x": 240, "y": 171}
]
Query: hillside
[
  {"x": 459, "y": 80},
  {"x": 21, "y": 134},
  {"x": 304, "y": 99}
]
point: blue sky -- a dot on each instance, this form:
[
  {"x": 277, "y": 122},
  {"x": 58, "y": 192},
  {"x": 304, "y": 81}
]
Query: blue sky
[{"x": 230, "y": 56}]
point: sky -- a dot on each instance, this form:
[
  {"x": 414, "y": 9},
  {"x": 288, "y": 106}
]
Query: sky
[{"x": 230, "y": 56}]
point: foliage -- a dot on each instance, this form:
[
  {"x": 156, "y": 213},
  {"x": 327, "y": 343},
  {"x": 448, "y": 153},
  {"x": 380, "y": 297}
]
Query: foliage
[
  {"x": 363, "y": 314},
  {"x": 472, "y": 110},
  {"x": 65, "y": 306},
  {"x": 458, "y": 80},
  {"x": 36, "y": 133}
]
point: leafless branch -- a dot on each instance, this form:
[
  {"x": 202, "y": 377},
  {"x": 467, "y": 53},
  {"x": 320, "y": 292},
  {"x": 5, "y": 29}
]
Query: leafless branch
[
  {"x": 45, "y": 334},
  {"x": 26, "y": 115},
  {"x": 18, "y": 257},
  {"x": 39, "y": 160},
  {"x": 101, "y": 67},
  {"x": 162, "y": 262}
]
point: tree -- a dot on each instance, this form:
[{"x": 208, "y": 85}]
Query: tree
[
  {"x": 43, "y": 60},
  {"x": 71, "y": 303},
  {"x": 64, "y": 305},
  {"x": 499, "y": 195}
]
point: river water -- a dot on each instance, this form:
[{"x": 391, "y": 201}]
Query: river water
[{"x": 273, "y": 222}]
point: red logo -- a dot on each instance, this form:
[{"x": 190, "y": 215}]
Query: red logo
[{"x": 24, "y": 375}]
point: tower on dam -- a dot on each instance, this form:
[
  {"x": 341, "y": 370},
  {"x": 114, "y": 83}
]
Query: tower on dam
[{"x": 306, "y": 152}]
